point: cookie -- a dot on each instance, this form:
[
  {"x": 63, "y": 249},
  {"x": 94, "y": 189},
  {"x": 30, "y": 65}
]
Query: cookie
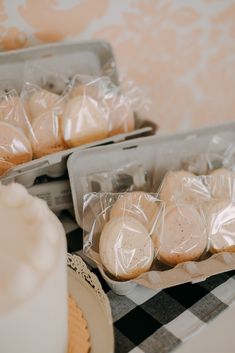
[
  {"x": 40, "y": 102},
  {"x": 79, "y": 338},
  {"x": 139, "y": 205},
  {"x": 220, "y": 183},
  {"x": 121, "y": 117},
  {"x": 126, "y": 248},
  {"x": 5, "y": 166},
  {"x": 83, "y": 121},
  {"x": 47, "y": 136},
  {"x": 181, "y": 236},
  {"x": 12, "y": 112},
  {"x": 221, "y": 226},
  {"x": 182, "y": 186},
  {"x": 15, "y": 148}
]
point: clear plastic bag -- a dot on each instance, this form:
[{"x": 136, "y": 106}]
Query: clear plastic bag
[
  {"x": 101, "y": 103},
  {"x": 44, "y": 110},
  {"x": 221, "y": 225},
  {"x": 184, "y": 187},
  {"x": 181, "y": 235},
  {"x": 15, "y": 132},
  {"x": 211, "y": 196},
  {"x": 117, "y": 233}
]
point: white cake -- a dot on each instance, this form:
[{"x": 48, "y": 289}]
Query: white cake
[{"x": 33, "y": 283}]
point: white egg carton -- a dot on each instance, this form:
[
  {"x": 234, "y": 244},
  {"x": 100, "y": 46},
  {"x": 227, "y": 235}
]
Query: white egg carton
[
  {"x": 69, "y": 58},
  {"x": 94, "y": 58},
  {"x": 154, "y": 153},
  {"x": 56, "y": 193}
]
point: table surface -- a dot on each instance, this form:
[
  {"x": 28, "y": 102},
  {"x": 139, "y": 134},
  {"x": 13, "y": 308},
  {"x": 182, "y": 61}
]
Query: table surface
[
  {"x": 217, "y": 337},
  {"x": 184, "y": 318}
]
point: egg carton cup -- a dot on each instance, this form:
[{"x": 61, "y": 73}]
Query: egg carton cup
[
  {"x": 92, "y": 58},
  {"x": 191, "y": 271},
  {"x": 156, "y": 155}
]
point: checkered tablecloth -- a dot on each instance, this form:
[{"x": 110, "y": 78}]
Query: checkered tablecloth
[{"x": 150, "y": 322}]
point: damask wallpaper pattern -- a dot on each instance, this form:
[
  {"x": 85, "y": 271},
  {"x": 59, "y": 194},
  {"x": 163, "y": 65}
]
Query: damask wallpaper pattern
[{"x": 182, "y": 52}]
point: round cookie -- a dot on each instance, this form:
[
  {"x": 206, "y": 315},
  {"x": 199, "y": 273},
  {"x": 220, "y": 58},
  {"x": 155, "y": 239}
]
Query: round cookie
[
  {"x": 47, "y": 137},
  {"x": 121, "y": 117},
  {"x": 79, "y": 338},
  {"x": 121, "y": 126},
  {"x": 221, "y": 226},
  {"x": 182, "y": 186},
  {"x": 221, "y": 183},
  {"x": 15, "y": 148},
  {"x": 8, "y": 105},
  {"x": 40, "y": 102},
  {"x": 137, "y": 204},
  {"x": 5, "y": 166},
  {"x": 83, "y": 121},
  {"x": 126, "y": 248},
  {"x": 12, "y": 112},
  {"x": 181, "y": 236}
]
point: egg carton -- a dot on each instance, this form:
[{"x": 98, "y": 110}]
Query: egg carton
[
  {"x": 93, "y": 58},
  {"x": 56, "y": 193},
  {"x": 154, "y": 154}
]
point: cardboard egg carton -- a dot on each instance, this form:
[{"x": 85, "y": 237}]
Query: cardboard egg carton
[
  {"x": 93, "y": 58},
  {"x": 156, "y": 155}
]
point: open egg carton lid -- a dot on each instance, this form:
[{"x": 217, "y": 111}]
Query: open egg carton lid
[
  {"x": 158, "y": 152},
  {"x": 94, "y": 58},
  {"x": 154, "y": 154}
]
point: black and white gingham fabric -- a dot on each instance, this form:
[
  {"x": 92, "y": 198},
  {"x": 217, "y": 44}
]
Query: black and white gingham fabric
[{"x": 147, "y": 322}]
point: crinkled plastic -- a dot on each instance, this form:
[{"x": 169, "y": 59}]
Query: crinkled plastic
[
  {"x": 181, "y": 234},
  {"x": 117, "y": 233},
  {"x": 44, "y": 110},
  {"x": 100, "y": 104},
  {"x": 184, "y": 187},
  {"x": 15, "y": 132},
  {"x": 212, "y": 197}
]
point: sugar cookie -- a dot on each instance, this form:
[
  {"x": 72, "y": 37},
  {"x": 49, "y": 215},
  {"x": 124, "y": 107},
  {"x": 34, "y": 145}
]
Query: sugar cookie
[
  {"x": 47, "y": 137},
  {"x": 40, "y": 102},
  {"x": 5, "y": 166},
  {"x": 181, "y": 236},
  {"x": 221, "y": 182},
  {"x": 79, "y": 338},
  {"x": 15, "y": 148},
  {"x": 126, "y": 248},
  {"x": 182, "y": 186},
  {"x": 83, "y": 121},
  {"x": 137, "y": 204},
  {"x": 221, "y": 226},
  {"x": 121, "y": 117}
]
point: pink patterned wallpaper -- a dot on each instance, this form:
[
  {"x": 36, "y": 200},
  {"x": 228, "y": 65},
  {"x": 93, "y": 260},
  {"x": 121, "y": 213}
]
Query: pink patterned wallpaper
[{"x": 181, "y": 52}]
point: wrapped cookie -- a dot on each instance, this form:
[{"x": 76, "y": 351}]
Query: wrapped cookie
[
  {"x": 220, "y": 183},
  {"x": 181, "y": 235},
  {"x": 119, "y": 238},
  {"x": 115, "y": 106},
  {"x": 44, "y": 110},
  {"x": 15, "y": 132},
  {"x": 184, "y": 187},
  {"x": 221, "y": 225}
]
